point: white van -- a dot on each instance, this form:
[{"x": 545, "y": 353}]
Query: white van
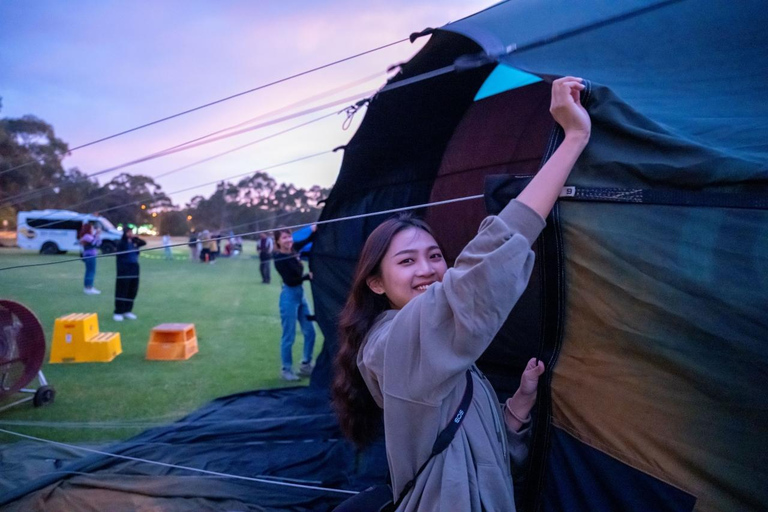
[{"x": 55, "y": 231}]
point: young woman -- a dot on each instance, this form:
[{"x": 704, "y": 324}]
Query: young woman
[
  {"x": 127, "y": 285},
  {"x": 89, "y": 239},
  {"x": 411, "y": 328},
  {"x": 293, "y": 304}
]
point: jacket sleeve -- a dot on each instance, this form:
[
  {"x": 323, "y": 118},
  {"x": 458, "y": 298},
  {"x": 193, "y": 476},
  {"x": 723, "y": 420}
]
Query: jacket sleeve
[
  {"x": 298, "y": 246},
  {"x": 518, "y": 444},
  {"x": 441, "y": 333}
]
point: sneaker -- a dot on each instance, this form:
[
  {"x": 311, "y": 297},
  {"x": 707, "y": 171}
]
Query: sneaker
[
  {"x": 305, "y": 370},
  {"x": 117, "y": 318},
  {"x": 129, "y": 316},
  {"x": 289, "y": 375},
  {"x": 91, "y": 291}
]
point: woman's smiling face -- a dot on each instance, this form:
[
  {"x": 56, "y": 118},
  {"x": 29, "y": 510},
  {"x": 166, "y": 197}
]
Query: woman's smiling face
[
  {"x": 412, "y": 262},
  {"x": 285, "y": 242}
]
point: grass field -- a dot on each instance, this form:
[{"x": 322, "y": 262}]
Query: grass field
[{"x": 238, "y": 328}]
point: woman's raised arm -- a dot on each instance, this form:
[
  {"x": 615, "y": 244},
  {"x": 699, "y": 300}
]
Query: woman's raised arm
[{"x": 543, "y": 190}]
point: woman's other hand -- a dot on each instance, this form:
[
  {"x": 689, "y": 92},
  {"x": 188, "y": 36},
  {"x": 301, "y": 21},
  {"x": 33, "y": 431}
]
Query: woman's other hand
[
  {"x": 529, "y": 382},
  {"x": 567, "y": 109},
  {"x": 517, "y": 410}
]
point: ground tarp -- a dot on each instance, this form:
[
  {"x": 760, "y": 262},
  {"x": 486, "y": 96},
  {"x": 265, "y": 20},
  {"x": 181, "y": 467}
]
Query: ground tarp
[{"x": 288, "y": 438}]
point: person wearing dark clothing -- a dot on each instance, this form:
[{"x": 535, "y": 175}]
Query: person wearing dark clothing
[
  {"x": 192, "y": 244},
  {"x": 265, "y": 247},
  {"x": 127, "y": 284},
  {"x": 293, "y": 304}
]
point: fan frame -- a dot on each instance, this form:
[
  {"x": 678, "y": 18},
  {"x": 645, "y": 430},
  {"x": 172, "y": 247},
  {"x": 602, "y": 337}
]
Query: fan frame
[{"x": 44, "y": 394}]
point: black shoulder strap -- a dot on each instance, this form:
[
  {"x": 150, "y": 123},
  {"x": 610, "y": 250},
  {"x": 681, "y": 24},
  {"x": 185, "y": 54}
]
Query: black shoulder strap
[{"x": 444, "y": 438}]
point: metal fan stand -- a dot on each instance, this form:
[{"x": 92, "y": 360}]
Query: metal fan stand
[
  {"x": 43, "y": 395},
  {"x": 22, "y": 345}
]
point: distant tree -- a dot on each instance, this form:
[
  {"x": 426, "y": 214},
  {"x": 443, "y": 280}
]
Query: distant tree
[
  {"x": 74, "y": 191},
  {"x": 30, "y": 148},
  {"x": 254, "y": 203},
  {"x": 256, "y": 190},
  {"x": 122, "y": 198},
  {"x": 218, "y": 211},
  {"x": 172, "y": 222}
]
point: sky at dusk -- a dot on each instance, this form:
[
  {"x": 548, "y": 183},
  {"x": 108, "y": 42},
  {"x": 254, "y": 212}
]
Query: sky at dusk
[{"x": 92, "y": 69}]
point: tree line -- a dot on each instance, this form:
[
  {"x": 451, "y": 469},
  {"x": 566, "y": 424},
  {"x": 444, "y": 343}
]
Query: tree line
[{"x": 32, "y": 178}]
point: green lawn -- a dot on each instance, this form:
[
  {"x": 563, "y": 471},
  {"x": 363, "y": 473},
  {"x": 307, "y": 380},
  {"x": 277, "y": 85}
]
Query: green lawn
[{"x": 238, "y": 329}]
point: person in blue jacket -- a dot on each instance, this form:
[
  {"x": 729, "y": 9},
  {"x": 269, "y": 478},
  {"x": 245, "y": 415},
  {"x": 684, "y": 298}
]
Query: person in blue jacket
[
  {"x": 127, "y": 285},
  {"x": 293, "y": 304}
]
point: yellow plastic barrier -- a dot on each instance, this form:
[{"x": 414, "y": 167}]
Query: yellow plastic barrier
[
  {"x": 76, "y": 339},
  {"x": 172, "y": 342}
]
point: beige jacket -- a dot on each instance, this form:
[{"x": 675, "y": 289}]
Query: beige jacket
[{"x": 413, "y": 362}]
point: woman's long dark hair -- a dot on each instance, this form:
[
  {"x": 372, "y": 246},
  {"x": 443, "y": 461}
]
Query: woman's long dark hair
[
  {"x": 85, "y": 229},
  {"x": 359, "y": 415}
]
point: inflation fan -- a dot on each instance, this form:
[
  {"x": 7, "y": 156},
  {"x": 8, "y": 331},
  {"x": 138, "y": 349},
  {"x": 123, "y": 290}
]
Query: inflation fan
[{"x": 22, "y": 350}]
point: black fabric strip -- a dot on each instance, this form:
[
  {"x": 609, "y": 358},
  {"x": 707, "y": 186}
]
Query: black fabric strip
[
  {"x": 550, "y": 254},
  {"x": 446, "y": 436},
  {"x": 499, "y": 190}
]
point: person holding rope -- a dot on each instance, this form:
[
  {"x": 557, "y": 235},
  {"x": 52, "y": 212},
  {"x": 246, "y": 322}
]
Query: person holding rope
[
  {"x": 127, "y": 284},
  {"x": 293, "y": 304},
  {"x": 89, "y": 239},
  {"x": 412, "y": 330}
]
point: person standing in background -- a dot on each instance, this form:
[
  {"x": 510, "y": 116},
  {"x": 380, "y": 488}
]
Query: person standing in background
[
  {"x": 216, "y": 247},
  {"x": 90, "y": 241},
  {"x": 265, "y": 248},
  {"x": 293, "y": 305},
  {"x": 167, "y": 246},
  {"x": 193, "y": 249},
  {"x": 127, "y": 285},
  {"x": 199, "y": 246},
  {"x": 208, "y": 254}
]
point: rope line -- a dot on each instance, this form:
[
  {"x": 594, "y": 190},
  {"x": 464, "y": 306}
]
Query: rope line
[
  {"x": 258, "y": 88},
  {"x": 301, "y": 102},
  {"x": 295, "y": 226},
  {"x": 208, "y": 159},
  {"x": 310, "y": 99},
  {"x": 262, "y": 480},
  {"x": 215, "y": 181},
  {"x": 39, "y": 192},
  {"x": 264, "y": 86},
  {"x": 147, "y": 198}
]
